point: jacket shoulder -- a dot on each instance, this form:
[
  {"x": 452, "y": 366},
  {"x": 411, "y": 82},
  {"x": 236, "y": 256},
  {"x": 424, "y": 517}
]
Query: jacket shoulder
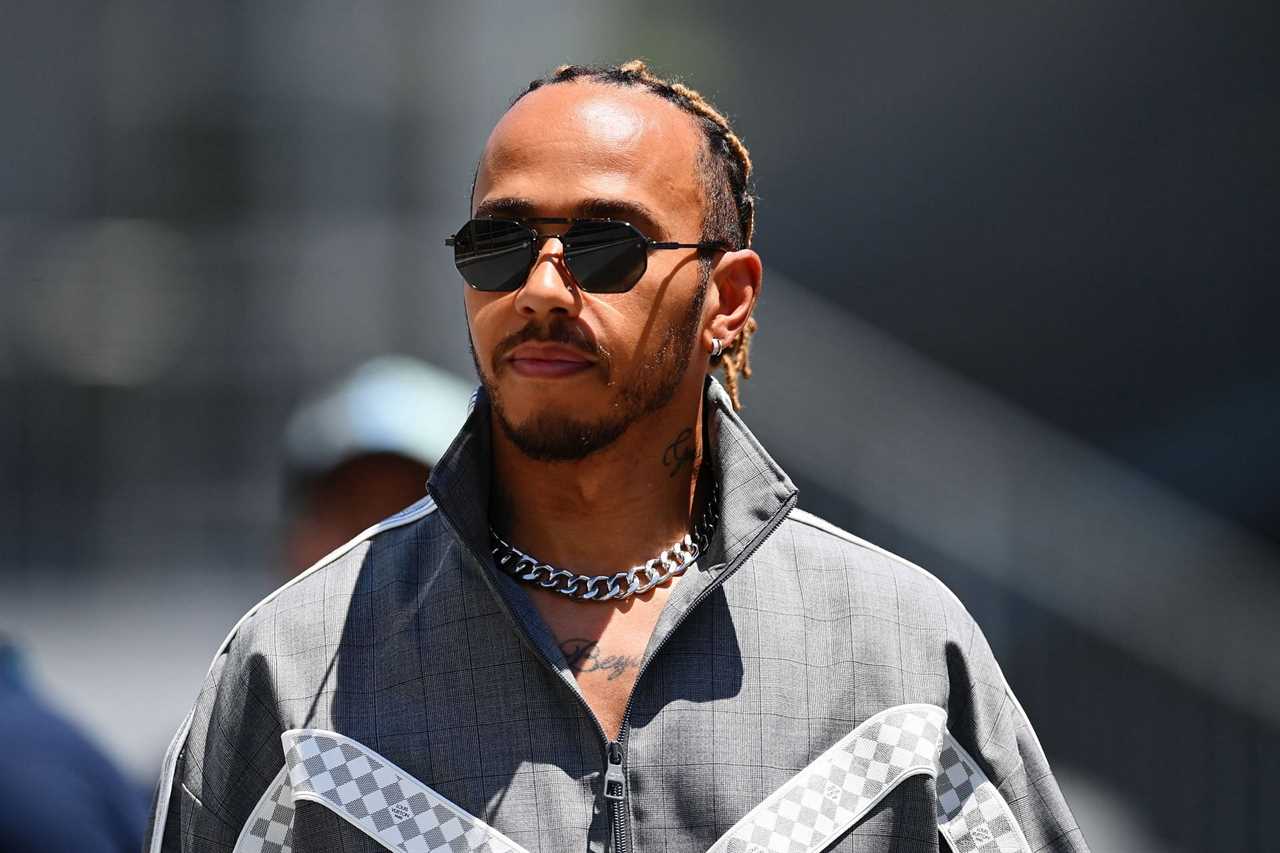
[
  {"x": 338, "y": 574},
  {"x": 983, "y": 714},
  {"x": 239, "y": 712},
  {"x": 911, "y": 586}
]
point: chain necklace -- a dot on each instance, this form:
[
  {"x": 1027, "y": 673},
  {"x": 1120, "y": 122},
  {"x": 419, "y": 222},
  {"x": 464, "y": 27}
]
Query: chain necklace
[{"x": 637, "y": 580}]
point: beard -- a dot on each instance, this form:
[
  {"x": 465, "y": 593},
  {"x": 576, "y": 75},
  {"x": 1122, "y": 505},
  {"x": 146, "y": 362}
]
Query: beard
[{"x": 554, "y": 435}]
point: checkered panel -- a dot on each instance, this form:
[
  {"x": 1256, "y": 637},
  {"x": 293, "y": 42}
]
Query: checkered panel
[
  {"x": 971, "y": 813},
  {"x": 381, "y": 799},
  {"x": 269, "y": 828},
  {"x": 834, "y": 792}
]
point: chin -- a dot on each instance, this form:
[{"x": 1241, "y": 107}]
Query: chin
[{"x": 551, "y": 435}]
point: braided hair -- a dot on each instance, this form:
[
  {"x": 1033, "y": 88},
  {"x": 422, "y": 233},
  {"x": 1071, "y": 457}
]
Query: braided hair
[{"x": 725, "y": 171}]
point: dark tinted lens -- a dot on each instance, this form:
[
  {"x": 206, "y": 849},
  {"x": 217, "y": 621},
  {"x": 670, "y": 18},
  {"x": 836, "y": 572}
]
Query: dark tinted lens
[
  {"x": 605, "y": 257},
  {"x": 494, "y": 254}
]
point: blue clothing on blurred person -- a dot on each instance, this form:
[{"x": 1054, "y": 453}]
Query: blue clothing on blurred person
[{"x": 57, "y": 791}]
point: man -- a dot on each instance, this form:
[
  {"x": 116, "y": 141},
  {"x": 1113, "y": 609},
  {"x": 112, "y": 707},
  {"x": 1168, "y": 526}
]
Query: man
[{"x": 766, "y": 682}]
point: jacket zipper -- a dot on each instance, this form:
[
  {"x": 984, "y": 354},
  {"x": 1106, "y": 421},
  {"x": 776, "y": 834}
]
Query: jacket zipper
[
  {"x": 615, "y": 794},
  {"x": 615, "y": 776},
  {"x": 618, "y": 807}
]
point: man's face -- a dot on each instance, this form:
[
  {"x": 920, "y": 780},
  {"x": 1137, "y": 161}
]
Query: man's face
[{"x": 569, "y": 372}]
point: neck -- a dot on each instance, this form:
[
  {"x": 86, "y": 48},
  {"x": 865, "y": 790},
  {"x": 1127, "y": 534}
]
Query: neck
[{"x": 616, "y": 508}]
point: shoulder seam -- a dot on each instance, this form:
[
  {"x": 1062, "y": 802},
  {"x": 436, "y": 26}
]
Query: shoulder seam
[
  {"x": 810, "y": 520},
  {"x": 409, "y": 514}
]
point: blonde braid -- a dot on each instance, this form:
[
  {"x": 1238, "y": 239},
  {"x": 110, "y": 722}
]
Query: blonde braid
[{"x": 723, "y": 145}]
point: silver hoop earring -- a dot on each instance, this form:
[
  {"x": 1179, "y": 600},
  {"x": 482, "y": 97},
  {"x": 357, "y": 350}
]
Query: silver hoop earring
[{"x": 716, "y": 347}]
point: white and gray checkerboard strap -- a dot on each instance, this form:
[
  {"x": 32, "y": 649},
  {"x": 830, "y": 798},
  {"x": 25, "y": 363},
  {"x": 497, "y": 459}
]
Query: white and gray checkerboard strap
[
  {"x": 388, "y": 804},
  {"x": 972, "y": 816},
  {"x": 824, "y": 800},
  {"x": 269, "y": 828}
]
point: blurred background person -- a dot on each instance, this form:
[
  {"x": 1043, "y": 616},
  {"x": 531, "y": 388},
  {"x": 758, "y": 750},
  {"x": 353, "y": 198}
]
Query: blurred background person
[
  {"x": 363, "y": 450},
  {"x": 58, "y": 792}
]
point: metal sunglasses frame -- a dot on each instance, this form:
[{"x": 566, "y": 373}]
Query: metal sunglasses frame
[{"x": 649, "y": 243}]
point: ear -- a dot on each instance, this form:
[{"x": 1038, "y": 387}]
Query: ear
[{"x": 735, "y": 283}]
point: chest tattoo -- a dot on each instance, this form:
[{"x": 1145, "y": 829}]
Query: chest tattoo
[{"x": 584, "y": 656}]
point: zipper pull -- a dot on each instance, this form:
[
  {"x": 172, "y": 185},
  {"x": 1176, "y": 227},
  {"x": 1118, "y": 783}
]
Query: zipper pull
[{"x": 615, "y": 781}]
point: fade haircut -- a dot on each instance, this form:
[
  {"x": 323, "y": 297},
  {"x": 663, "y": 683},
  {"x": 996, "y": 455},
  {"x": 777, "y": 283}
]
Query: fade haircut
[{"x": 729, "y": 210}]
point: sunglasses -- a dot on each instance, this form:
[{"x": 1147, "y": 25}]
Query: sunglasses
[{"x": 603, "y": 255}]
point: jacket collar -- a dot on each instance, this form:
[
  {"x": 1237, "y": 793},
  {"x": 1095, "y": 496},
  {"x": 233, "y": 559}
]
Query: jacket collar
[
  {"x": 753, "y": 487},
  {"x": 755, "y": 495}
]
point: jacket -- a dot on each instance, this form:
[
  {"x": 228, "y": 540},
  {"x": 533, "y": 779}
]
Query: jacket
[{"x": 803, "y": 690}]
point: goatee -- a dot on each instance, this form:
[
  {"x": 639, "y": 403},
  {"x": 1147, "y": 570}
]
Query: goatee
[{"x": 554, "y": 435}]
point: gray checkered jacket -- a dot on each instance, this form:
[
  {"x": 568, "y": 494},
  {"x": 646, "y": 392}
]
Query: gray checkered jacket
[{"x": 404, "y": 695}]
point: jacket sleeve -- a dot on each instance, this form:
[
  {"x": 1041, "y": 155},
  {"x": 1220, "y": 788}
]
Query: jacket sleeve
[
  {"x": 223, "y": 757},
  {"x": 987, "y": 721}
]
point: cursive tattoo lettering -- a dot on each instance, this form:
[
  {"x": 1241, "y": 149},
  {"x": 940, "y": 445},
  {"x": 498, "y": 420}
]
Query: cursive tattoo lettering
[
  {"x": 584, "y": 656},
  {"x": 679, "y": 452}
]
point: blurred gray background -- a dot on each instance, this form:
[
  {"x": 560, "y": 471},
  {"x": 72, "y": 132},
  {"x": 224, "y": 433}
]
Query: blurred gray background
[{"x": 1019, "y": 325}]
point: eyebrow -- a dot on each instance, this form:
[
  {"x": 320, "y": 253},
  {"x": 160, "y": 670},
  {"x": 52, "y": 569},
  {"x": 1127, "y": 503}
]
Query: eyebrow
[
  {"x": 512, "y": 208},
  {"x": 626, "y": 210},
  {"x": 590, "y": 208}
]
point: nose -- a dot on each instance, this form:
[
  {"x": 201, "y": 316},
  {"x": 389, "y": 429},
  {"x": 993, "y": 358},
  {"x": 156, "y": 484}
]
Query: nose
[{"x": 549, "y": 289}]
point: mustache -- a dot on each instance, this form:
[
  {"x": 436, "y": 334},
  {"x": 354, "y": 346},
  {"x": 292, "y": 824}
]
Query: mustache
[{"x": 559, "y": 330}]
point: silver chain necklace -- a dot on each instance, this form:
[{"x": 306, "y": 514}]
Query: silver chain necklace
[{"x": 637, "y": 580}]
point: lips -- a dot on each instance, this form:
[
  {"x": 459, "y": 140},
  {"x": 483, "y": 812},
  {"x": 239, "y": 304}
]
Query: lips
[{"x": 546, "y": 361}]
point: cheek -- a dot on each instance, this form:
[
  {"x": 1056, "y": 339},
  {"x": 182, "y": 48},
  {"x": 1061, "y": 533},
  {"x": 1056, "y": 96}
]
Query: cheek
[
  {"x": 618, "y": 322},
  {"x": 483, "y": 312},
  {"x": 475, "y": 301},
  {"x": 637, "y": 324}
]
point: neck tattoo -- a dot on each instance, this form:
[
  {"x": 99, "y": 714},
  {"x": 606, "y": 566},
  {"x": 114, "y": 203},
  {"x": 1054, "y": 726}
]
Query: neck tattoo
[{"x": 679, "y": 452}]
